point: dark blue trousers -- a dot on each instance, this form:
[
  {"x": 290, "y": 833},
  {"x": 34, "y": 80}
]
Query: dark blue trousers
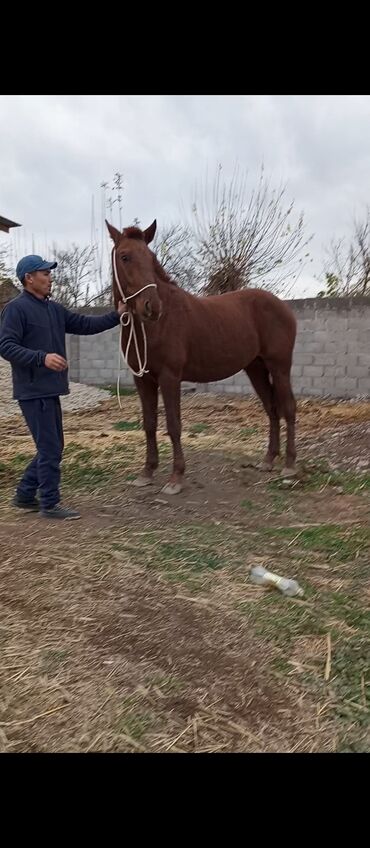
[{"x": 44, "y": 420}]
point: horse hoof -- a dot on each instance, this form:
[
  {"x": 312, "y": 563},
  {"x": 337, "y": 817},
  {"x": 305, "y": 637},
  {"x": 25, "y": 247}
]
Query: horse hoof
[
  {"x": 265, "y": 466},
  {"x": 288, "y": 472},
  {"x": 172, "y": 489},
  {"x": 142, "y": 481}
]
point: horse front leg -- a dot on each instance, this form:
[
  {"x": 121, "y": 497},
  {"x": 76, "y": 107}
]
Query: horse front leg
[
  {"x": 147, "y": 387},
  {"x": 170, "y": 386}
]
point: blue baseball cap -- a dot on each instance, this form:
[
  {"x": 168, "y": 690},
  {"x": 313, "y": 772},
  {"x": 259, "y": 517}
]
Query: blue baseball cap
[{"x": 32, "y": 263}]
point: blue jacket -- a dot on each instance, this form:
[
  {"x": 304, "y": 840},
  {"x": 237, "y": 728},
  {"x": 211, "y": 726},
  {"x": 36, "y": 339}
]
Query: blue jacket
[{"x": 31, "y": 328}]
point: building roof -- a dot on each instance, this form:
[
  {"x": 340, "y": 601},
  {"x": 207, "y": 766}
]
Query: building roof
[{"x": 6, "y": 224}]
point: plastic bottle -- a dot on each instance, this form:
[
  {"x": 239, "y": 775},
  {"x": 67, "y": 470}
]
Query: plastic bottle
[{"x": 262, "y": 577}]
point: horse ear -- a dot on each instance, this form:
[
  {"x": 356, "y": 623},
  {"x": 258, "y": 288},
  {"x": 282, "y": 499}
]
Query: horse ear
[
  {"x": 114, "y": 234},
  {"x": 150, "y": 232}
]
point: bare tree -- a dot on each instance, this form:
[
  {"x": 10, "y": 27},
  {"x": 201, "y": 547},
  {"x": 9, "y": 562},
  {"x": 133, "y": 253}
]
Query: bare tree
[
  {"x": 234, "y": 238},
  {"x": 103, "y": 297},
  {"x": 174, "y": 249},
  {"x": 242, "y": 239},
  {"x": 347, "y": 267},
  {"x": 72, "y": 277},
  {"x": 5, "y": 272}
]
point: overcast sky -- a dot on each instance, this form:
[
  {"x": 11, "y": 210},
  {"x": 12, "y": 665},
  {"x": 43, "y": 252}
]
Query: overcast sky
[{"x": 55, "y": 151}]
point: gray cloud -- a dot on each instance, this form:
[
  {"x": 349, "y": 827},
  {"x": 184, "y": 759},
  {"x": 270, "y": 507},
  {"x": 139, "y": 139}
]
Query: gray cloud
[{"x": 56, "y": 150}]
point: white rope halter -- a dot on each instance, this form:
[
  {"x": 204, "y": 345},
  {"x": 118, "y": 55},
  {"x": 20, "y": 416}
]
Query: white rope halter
[{"x": 127, "y": 320}]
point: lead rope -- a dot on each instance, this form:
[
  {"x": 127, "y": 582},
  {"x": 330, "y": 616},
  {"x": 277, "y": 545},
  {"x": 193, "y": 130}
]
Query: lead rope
[{"x": 127, "y": 320}]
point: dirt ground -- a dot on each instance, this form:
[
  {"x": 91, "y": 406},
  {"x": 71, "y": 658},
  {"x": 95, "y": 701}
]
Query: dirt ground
[{"x": 138, "y": 629}]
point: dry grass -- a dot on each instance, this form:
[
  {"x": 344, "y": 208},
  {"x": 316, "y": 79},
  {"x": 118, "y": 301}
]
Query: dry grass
[
  {"x": 100, "y": 653},
  {"x": 137, "y": 629}
]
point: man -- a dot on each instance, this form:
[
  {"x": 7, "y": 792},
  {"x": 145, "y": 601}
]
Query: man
[{"x": 32, "y": 339}]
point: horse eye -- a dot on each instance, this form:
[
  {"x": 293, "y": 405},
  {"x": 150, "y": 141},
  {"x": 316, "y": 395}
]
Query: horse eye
[{"x": 124, "y": 257}]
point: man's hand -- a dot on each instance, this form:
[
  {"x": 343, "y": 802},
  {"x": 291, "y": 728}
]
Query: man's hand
[
  {"x": 121, "y": 308},
  {"x": 55, "y": 362}
]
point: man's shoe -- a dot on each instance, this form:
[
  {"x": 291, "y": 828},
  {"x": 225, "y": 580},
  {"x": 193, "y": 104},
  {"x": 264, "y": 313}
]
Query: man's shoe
[
  {"x": 61, "y": 512},
  {"x": 32, "y": 505}
]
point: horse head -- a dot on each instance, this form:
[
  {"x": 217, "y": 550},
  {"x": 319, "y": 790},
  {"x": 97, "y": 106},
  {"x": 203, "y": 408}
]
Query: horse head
[{"x": 134, "y": 278}]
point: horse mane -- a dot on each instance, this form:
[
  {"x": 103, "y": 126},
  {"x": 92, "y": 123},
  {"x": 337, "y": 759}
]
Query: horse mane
[{"x": 161, "y": 273}]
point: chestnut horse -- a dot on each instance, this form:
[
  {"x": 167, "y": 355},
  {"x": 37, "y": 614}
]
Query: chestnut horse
[{"x": 200, "y": 339}]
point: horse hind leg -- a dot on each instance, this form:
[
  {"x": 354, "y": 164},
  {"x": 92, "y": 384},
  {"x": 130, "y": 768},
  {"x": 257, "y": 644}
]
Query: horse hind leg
[
  {"x": 286, "y": 407},
  {"x": 259, "y": 376}
]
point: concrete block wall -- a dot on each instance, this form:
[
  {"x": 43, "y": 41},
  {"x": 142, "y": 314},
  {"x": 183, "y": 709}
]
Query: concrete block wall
[
  {"x": 331, "y": 356},
  {"x": 332, "y": 351},
  {"x": 94, "y": 359},
  {"x": 97, "y": 359}
]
